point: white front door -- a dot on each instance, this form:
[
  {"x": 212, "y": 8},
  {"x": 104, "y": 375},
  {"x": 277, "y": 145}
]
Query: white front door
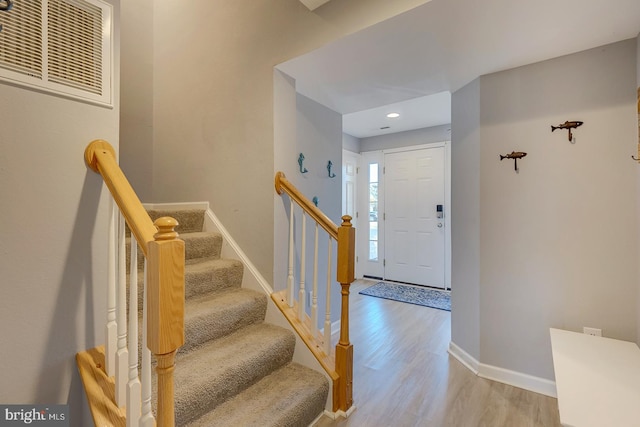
[{"x": 414, "y": 235}]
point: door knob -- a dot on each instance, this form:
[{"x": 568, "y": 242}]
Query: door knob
[{"x": 439, "y": 225}]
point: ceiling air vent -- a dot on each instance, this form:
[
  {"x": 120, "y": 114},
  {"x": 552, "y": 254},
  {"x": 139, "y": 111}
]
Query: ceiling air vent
[{"x": 61, "y": 46}]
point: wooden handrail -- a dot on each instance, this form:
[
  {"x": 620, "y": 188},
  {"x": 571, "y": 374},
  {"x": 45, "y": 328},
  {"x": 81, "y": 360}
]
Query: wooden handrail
[
  {"x": 344, "y": 235},
  {"x": 283, "y": 185},
  {"x": 101, "y": 158},
  {"x": 165, "y": 255}
]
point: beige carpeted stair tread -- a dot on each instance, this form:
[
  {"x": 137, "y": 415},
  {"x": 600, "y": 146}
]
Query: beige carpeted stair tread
[
  {"x": 292, "y": 396},
  {"x": 201, "y": 244},
  {"x": 189, "y": 220},
  {"x": 220, "y": 369},
  {"x": 203, "y": 276},
  {"x": 218, "y": 314},
  {"x": 213, "y": 316},
  {"x": 211, "y": 275}
]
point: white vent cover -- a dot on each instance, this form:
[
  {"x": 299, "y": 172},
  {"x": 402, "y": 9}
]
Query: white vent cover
[{"x": 61, "y": 46}]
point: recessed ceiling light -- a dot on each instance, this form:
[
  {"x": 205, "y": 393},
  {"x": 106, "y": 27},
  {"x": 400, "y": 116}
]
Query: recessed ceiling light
[{"x": 393, "y": 115}]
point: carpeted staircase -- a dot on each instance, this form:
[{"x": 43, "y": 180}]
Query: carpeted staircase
[{"x": 234, "y": 369}]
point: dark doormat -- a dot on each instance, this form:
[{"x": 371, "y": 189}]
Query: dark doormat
[{"x": 418, "y": 295}]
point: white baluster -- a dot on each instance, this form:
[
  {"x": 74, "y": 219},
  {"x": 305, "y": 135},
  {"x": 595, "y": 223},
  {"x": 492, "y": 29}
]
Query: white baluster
[
  {"x": 111, "y": 345},
  {"x": 134, "y": 406},
  {"x": 303, "y": 264},
  {"x": 327, "y": 315},
  {"x": 146, "y": 419},
  {"x": 122, "y": 356},
  {"x": 290, "y": 279},
  {"x": 314, "y": 293}
]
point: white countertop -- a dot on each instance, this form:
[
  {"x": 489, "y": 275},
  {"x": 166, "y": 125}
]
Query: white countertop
[{"x": 597, "y": 380}]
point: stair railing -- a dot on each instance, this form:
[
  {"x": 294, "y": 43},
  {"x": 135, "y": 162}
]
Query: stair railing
[
  {"x": 163, "y": 303},
  {"x": 339, "y": 369}
]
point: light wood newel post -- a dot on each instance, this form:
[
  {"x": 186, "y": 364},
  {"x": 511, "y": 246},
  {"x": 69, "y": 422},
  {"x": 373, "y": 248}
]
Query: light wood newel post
[
  {"x": 344, "y": 349},
  {"x": 165, "y": 315}
]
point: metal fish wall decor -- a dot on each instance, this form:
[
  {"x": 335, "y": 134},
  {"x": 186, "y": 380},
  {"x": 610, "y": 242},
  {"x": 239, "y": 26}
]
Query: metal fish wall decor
[
  {"x": 568, "y": 125},
  {"x": 515, "y": 155}
]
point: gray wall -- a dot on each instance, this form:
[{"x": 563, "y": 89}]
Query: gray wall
[
  {"x": 53, "y": 248},
  {"x": 213, "y": 102},
  {"x": 304, "y": 126},
  {"x": 465, "y": 218},
  {"x": 558, "y": 241},
  {"x": 407, "y": 138},
  {"x": 350, "y": 143},
  {"x": 136, "y": 114}
]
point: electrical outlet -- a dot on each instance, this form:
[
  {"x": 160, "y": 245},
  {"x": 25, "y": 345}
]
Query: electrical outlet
[{"x": 592, "y": 331}]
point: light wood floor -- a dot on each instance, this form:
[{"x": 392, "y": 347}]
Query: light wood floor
[{"x": 403, "y": 375}]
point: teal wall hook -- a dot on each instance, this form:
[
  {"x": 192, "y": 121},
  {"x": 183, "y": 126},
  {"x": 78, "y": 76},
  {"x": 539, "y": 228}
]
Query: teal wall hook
[
  {"x": 329, "y": 166},
  {"x": 315, "y": 200},
  {"x": 300, "y": 161}
]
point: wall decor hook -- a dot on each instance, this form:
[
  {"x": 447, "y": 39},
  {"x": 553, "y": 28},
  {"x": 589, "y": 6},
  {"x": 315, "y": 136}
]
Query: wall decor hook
[
  {"x": 568, "y": 125},
  {"x": 515, "y": 155},
  {"x": 329, "y": 166},
  {"x": 637, "y": 159},
  {"x": 300, "y": 161}
]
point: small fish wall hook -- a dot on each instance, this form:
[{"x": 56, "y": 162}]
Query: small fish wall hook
[
  {"x": 515, "y": 155},
  {"x": 300, "y": 161},
  {"x": 315, "y": 200},
  {"x": 329, "y": 166},
  {"x": 568, "y": 125}
]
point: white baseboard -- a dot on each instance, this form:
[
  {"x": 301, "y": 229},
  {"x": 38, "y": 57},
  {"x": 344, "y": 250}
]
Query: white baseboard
[
  {"x": 229, "y": 243},
  {"x": 505, "y": 376},
  {"x": 339, "y": 414},
  {"x": 463, "y": 357}
]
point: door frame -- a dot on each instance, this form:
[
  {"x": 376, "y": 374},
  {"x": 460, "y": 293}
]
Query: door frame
[
  {"x": 357, "y": 157},
  {"x": 363, "y": 202}
]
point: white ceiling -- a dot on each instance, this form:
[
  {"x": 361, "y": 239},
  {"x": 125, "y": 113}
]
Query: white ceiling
[
  {"x": 445, "y": 44},
  {"x": 416, "y": 113}
]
